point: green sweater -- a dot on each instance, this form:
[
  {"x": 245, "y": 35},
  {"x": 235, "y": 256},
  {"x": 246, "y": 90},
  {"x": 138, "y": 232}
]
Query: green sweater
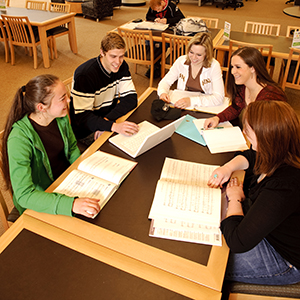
[{"x": 30, "y": 170}]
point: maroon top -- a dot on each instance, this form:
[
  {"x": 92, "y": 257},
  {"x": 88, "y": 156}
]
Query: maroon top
[{"x": 232, "y": 111}]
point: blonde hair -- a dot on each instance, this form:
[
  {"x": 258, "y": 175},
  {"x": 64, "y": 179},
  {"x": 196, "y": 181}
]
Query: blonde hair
[{"x": 202, "y": 39}]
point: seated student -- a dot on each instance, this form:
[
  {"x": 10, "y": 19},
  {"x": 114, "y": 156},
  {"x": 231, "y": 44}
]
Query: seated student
[
  {"x": 264, "y": 240},
  {"x": 248, "y": 81},
  {"x": 38, "y": 146},
  {"x": 195, "y": 71},
  {"x": 102, "y": 92},
  {"x": 166, "y": 12}
]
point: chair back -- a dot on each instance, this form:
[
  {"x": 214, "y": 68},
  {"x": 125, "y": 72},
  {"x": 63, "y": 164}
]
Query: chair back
[
  {"x": 291, "y": 78},
  {"x": 177, "y": 47},
  {"x": 4, "y": 39},
  {"x": 6, "y": 199},
  {"x": 265, "y": 49},
  {"x": 291, "y": 29},
  {"x": 19, "y": 30},
  {"x": 210, "y": 22},
  {"x": 140, "y": 48},
  {"x": 59, "y": 7},
  {"x": 262, "y": 28},
  {"x": 38, "y": 5}
]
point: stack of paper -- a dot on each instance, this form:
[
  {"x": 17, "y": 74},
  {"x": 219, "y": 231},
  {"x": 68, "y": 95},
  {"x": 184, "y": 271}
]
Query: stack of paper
[{"x": 223, "y": 138}]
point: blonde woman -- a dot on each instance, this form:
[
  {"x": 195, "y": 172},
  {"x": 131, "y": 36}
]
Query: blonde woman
[{"x": 195, "y": 71}]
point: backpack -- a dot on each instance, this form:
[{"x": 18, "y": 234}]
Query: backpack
[{"x": 190, "y": 26}]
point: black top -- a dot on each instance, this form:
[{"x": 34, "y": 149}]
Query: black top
[
  {"x": 54, "y": 146},
  {"x": 172, "y": 13},
  {"x": 274, "y": 213}
]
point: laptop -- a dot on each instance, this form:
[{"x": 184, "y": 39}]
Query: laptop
[{"x": 148, "y": 137}]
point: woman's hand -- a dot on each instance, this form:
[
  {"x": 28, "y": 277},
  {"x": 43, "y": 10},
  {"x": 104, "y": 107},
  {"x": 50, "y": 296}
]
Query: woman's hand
[
  {"x": 183, "y": 103},
  {"x": 219, "y": 176},
  {"x": 126, "y": 128},
  {"x": 86, "y": 206},
  {"x": 165, "y": 97},
  {"x": 211, "y": 122},
  {"x": 234, "y": 190}
]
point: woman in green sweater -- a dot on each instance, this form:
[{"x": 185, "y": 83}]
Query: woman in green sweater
[{"x": 38, "y": 146}]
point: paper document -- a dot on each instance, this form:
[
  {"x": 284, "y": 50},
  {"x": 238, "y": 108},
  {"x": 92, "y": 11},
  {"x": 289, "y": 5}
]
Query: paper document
[
  {"x": 223, "y": 138},
  {"x": 151, "y": 26},
  {"x": 184, "y": 207},
  {"x": 176, "y": 95}
]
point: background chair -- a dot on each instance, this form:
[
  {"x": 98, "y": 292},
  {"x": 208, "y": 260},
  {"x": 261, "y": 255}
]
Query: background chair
[
  {"x": 140, "y": 49},
  {"x": 38, "y": 5},
  {"x": 117, "y": 3},
  {"x": 8, "y": 213},
  {"x": 3, "y": 38},
  {"x": 177, "y": 46},
  {"x": 233, "y": 45},
  {"x": 291, "y": 78},
  {"x": 20, "y": 33},
  {"x": 290, "y": 30},
  {"x": 210, "y": 22},
  {"x": 97, "y": 9},
  {"x": 262, "y": 28},
  {"x": 59, "y": 30}
]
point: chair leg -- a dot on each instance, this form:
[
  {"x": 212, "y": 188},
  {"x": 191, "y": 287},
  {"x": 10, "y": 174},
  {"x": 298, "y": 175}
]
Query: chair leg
[
  {"x": 12, "y": 54},
  {"x": 6, "y": 52},
  {"x": 54, "y": 46},
  {"x": 34, "y": 57},
  {"x": 151, "y": 75},
  {"x": 50, "y": 46}
]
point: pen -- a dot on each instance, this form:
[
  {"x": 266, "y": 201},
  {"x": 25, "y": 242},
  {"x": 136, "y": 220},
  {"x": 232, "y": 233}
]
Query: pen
[{"x": 219, "y": 127}]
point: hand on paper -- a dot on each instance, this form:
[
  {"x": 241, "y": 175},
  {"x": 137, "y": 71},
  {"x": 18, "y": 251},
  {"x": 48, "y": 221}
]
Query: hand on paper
[
  {"x": 126, "y": 128},
  {"x": 234, "y": 189},
  {"x": 165, "y": 97},
  {"x": 219, "y": 177},
  {"x": 163, "y": 21},
  {"x": 211, "y": 122},
  {"x": 86, "y": 206},
  {"x": 183, "y": 103}
]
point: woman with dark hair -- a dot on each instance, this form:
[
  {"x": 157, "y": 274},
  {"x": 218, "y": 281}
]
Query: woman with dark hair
[
  {"x": 196, "y": 71},
  {"x": 264, "y": 239},
  {"x": 248, "y": 81},
  {"x": 38, "y": 146}
]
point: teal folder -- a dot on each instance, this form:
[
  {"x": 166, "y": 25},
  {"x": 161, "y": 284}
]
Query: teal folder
[{"x": 188, "y": 129}]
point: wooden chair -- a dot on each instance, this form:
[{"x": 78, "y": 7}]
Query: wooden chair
[
  {"x": 140, "y": 49},
  {"x": 21, "y": 33},
  {"x": 247, "y": 291},
  {"x": 233, "y": 45},
  {"x": 8, "y": 213},
  {"x": 210, "y": 22},
  {"x": 4, "y": 39},
  {"x": 59, "y": 30},
  {"x": 68, "y": 85},
  {"x": 262, "y": 28},
  {"x": 291, "y": 78},
  {"x": 177, "y": 47},
  {"x": 37, "y": 5},
  {"x": 290, "y": 30}
]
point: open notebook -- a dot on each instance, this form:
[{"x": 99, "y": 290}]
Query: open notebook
[{"x": 148, "y": 136}]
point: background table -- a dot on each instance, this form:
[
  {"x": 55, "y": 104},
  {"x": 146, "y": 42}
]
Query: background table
[{"x": 46, "y": 20}]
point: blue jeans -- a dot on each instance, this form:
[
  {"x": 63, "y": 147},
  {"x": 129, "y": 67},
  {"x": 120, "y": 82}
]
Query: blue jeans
[{"x": 261, "y": 265}]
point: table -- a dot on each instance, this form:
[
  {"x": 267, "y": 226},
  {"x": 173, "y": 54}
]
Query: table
[
  {"x": 46, "y": 20},
  {"x": 118, "y": 236},
  {"x": 281, "y": 45},
  {"x": 293, "y": 11}
]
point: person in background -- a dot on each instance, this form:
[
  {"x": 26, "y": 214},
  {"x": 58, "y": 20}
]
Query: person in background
[
  {"x": 166, "y": 12},
  {"x": 263, "y": 240},
  {"x": 195, "y": 71},
  {"x": 102, "y": 92},
  {"x": 38, "y": 146},
  {"x": 248, "y": 81}
]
